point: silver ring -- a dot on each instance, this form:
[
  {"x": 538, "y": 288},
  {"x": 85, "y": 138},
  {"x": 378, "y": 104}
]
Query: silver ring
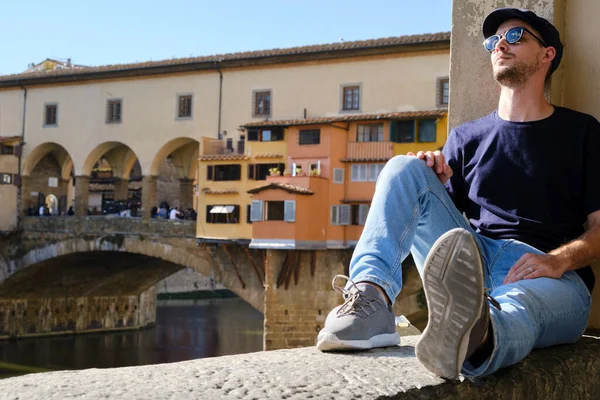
[{"x": 530, "y": 270}]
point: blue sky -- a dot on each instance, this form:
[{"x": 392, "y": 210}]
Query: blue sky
[{"x": 113, "y": 32}]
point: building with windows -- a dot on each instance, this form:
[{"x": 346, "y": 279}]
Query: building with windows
[{"x": 314, "y": 122}]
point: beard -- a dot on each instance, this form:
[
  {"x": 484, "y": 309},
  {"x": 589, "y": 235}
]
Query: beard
[{"x": 517, "y": 75}]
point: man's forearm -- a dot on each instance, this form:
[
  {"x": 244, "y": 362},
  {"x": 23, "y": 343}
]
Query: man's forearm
[{"x": 581, "y": 251}]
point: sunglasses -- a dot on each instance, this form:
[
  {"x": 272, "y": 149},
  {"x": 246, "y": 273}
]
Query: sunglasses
[{"x": 512, "y": 36}]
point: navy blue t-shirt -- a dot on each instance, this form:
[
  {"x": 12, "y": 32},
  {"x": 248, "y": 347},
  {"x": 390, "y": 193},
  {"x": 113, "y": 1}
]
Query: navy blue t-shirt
[{"x": 530, "y": 181}]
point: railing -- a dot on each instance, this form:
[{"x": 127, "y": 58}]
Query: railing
[
  {"x": 215, "y": 147},
  {"x": 370, "y": 150},
  {"x": 110, "y": 225}
]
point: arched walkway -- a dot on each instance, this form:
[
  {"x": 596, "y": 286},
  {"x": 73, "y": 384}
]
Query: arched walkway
[{"x": 47, "y": 171}]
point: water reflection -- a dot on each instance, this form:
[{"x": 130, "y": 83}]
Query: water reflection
[{"x": 185, "y": 330}]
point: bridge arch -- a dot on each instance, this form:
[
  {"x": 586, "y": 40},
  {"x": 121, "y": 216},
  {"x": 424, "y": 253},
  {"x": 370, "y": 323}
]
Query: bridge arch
[
  {"x": 58, "y": 152},
  {"x": 200, "y": 259},
  {"x": 183, "y": 152},
  {"x": 120, "y": 157}
]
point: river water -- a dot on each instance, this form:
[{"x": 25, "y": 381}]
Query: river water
[{"x": 185, "y": 330}]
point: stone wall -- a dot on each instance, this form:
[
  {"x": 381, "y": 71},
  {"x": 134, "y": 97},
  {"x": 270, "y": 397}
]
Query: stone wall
[
  {"x": 298, "y": 296},
  {"x": 60, "y": 315},
  {"x": 187, "y": 280}
]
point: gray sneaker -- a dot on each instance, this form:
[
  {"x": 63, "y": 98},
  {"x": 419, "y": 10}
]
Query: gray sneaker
[
  {"x": 458, "y": 312},
  {"x": 363, "y": 322}
]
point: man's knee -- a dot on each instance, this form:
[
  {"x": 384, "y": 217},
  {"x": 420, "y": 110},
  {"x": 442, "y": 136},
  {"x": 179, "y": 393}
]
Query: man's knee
[{"x": 403, "y": 165}]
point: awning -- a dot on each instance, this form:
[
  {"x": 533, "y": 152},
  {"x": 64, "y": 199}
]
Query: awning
[{"x": 222, "y": 209}]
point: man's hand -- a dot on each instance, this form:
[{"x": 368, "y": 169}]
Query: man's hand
[
  {"x": 532, "y": 266},
  {"x": 435, "y": 160}
]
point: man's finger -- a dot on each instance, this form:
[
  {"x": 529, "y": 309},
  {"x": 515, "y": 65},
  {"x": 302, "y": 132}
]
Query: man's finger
[
  {"x": 439, "y": 161},
  {"x": 410, "y": 153},
  {"x": 515, "y": 269},
  {"x": 421, "y": 154},
  {"x": 430, "y": 158}
]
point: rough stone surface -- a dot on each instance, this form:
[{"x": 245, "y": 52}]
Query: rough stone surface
[{"x": 564, "y": 372}]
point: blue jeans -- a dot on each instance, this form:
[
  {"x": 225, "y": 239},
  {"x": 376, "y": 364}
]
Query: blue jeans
[{"x": 411, "y": 210}]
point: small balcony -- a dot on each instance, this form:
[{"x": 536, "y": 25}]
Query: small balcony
[
  {"x": 217, "y": 147},
  {"x": 370, "y": 150}
]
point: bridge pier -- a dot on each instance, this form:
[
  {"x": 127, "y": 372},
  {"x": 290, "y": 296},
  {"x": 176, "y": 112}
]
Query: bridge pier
[
  {"x": 186, "y": 193},
  {"x": 121, "y": 189},
  {"x": 148, "y": 195},
  {"x": 82, "y": 192},
  {"x": 26, "y": 317}
]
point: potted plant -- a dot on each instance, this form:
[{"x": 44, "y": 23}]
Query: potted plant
[
  {"x": 274, "y": 171},
  {"x": 298, "y": 171}
]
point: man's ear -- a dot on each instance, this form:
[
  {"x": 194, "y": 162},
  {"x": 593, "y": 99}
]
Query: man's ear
[{"x": 550, "y": 54}]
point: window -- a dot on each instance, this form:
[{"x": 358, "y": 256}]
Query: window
[
  {"x": 351, "y": 98},
  {"x": 338, "y": 175},
  {"x": 51, "y": 115},
  {"x": 222, "y": 214},
  {"x": 359, "y": 173},
  {"x": 340, "y": 214},
  {"x": 6, "y": 179},
  {"x": 314, "y": 168},
  {"x": 402, "y": 131},
  {"x": 443, "y": 92},
  {"x": 266, "y": 135},
  {"x": 374, "y": 171},
  {"x": 5, "y": 150},
  {"x": 249, "y": 214},
  {"x": 275, "y": 211},
  {"x": 256, "y": 211},
  {"x": 370, "y": 133},
  {"x": 230, "y": 172},
  {"x": 366, "y": 172},
  {"x": 184, "y": 106},
  {"x": 358, "y": 213},
  {"x": 113, "y": 111},
  {"x": 427, "y": 130},
  {"x": 259, "y": 172},
  {"x": 262, "y": 104},
  {"x": 309, "y": 136}
]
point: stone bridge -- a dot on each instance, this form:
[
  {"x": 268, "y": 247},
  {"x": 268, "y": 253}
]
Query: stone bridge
[{"x": 56, "y": 277}]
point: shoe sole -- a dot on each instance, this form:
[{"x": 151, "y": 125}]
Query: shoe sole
[
  {"x": 453, "y": 285},
  {"x": 330, "y": 342}
]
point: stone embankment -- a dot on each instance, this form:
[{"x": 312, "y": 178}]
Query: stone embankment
[{"x": 563, "y": 372}]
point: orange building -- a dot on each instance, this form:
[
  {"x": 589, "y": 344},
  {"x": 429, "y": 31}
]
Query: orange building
[{"x": 322, "y": 199}]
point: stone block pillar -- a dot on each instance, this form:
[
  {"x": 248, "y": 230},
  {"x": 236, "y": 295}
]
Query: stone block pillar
[
  {"x": 294, "y": 315},
  {"x": 26, "y": 198},
  {"x": 148, "y": 195},
  {"x": 121, "y": 189},
  {"x": 186, "y": 193},
  {"x": 82, "y": 191}
]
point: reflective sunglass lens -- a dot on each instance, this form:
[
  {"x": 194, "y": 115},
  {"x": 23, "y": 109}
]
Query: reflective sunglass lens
[
  {"x": 490, "y": 43},
  {"x": 514, "y": 35}
]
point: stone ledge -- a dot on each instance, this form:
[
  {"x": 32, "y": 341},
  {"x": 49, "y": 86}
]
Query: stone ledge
[{"x": 563, "y": 372}]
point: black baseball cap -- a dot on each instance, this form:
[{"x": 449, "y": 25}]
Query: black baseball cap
[{"x": 543, "y": 26}]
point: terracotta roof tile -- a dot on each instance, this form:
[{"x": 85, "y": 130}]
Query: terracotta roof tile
[
  {"x": 349, "y": 160},
  {"x": 284, "y": 186},
  {"x": 222, "y": 157},
  {"x": 267, "y": 155},
  {"x": 349, "y": 118},
  {"x": 240, "y": 56},
  {"x": 223, "y": 191}
]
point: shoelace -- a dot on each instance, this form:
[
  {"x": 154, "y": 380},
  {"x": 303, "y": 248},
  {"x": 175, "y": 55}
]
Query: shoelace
[{"x": 356, "y": 300}]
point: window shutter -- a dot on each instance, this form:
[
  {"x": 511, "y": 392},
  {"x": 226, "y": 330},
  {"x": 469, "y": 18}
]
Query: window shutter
[
  {"x": 251, "y": 171},
  {"x": 289, "y": 213},
  {"x": 334, "y": 215},
  {"x": 209, "y": 173},
  {"x": 319, "y": 166},
  {"x": 17, "y": 180},
  {"x": 338, "y": 175},
  {"x": 237, "y": 172},
  {"x": 344, "y": 214},
  {"x": 18, "y": 151},
  {"x": 363, "y": 210},
  {"x": 208, "y": 215},
  {"x": 293, "y": 169},
  {"x": 281, "y": 168},
  {"x": 394, "y": 132},
  {"x": 256, "y": 212}
]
